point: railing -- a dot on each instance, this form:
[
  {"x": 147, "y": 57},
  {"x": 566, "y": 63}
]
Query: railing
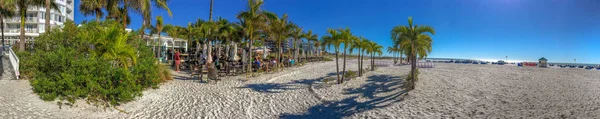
[
  {"x": 27, "y": 19},
  {"x": 19, "y": 30},
  {"x": 14, "y": 61}
]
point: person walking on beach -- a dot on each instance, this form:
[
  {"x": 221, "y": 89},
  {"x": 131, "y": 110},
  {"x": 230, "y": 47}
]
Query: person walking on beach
[{"x": 177, "y": 60}]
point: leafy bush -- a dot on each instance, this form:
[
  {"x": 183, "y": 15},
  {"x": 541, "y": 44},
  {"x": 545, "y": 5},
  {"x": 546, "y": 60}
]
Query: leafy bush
[
  {"x": 350, "y": 74},
  {"x": 327, "y": 59},
  {"x": 98, "y": 61}
]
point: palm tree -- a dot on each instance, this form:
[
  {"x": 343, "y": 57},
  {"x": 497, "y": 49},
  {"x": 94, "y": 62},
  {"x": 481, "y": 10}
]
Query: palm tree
[
  {"x": 86, "y": 7},
  {"x": 224, "y": 34},
  {"x": 359, "y": 45},
  {"x": 399, "y": 50},
  {"x": 310, "y": 38},
  {"x": 347, "y": 38},
  {"x": 7, "y": 8},
  {"x": 376, "y": 49},
  {"x": 145, "y": 9},
  {"x": 372, "y": 49},
  {"x": 355, "y": 44},
  {"x": 393, "y": 50},
  {"x": 279, "y": 31},
  {"x": 211, "y": 9},
  {"x": 296, "y": 34},
  {"x": 22, "y": 6},
  {"x": 253, "y": 20},
  {"x": 334, "y": 38},
  {"x": 365, "y": 47},
  {"x": 415, "y": 40},
  {"x": 118, "y": 49},
  {"x": 117, "y": 14},
  {"x": 159, "y": 28}
]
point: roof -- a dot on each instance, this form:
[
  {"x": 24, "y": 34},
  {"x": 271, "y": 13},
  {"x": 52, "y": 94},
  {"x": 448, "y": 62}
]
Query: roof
[{"x": 543, "y": 59}]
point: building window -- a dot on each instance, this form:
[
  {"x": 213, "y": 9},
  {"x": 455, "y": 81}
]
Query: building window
[
  {"x": 42, "y": 15},
  {"x": 62, "y": 9},
  {"x": 42, "y": 27}
]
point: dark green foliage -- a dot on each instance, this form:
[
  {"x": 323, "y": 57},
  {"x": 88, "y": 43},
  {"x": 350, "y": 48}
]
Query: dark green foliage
[
  {"x": 350, "y": 74},
  {"x": 98, "y": 61}
]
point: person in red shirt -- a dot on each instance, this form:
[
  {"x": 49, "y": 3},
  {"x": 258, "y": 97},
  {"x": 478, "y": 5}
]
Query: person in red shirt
[{"x": 177, "y": 60}]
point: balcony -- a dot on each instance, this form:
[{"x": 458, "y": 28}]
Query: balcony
[
  {"x": 18, "y": 30},
  {"x": 27, "y": 20}
]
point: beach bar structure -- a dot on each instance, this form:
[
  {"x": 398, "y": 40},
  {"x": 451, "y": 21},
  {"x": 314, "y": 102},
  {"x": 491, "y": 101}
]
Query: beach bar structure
[
  {"x": 543, "y": 62},
  {"x": 165, "y": 44}
]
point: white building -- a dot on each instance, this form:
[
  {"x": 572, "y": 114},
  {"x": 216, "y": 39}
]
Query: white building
[{"x": 35, "y": 21}]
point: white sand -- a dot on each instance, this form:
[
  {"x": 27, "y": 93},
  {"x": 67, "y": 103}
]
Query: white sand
[{"x": 449, "y": 90}]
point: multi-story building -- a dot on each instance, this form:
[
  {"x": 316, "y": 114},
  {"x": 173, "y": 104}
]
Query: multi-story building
[{"x": 35, "y": 22}]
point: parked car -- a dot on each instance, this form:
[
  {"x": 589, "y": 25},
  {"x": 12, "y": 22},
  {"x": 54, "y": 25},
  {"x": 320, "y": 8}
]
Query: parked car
[{"x": 500, "y": 62}]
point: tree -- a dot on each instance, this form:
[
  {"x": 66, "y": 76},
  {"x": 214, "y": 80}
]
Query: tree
[
  {"x": 86, "y": 7},
  {"x": 393, "y": 50},
  {"x": 359, "y": 45},
  {"x": 280, "y": 29},
  {"x": 253, "y": 20},
  {"x": 310, "y": 38},
  {"x": 145, "y": 9},
  {"x": 211, "y": 9},
  {"x": 117, "y": 14},
  {"x": 334, "y": 38},
  {"x": 415, "y": 40},
  {"x": 365, "y": 47},
  {"x": 347, "y": 38},
  {"x": 375, "y": 49},
  {"x": 159, "y": 28},
  {"x": 7, "y": 8},
  {"x": 23, "y": 5},
  {"x": 296, "y": 34}
]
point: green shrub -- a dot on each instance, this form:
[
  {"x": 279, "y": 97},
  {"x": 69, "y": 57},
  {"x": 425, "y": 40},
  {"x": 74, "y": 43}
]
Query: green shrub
[
  {"x": 99, "y": 61},
  {"x": 350, "y": 74},
  {"x": 327, "y": 59}
]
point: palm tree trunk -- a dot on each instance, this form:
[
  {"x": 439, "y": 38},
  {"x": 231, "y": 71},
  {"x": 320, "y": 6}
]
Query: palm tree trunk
[
  {"x": 359, "y": 71},
  {"x": 337, "y": 66},
  {"x": 413, "y": 67},
  {"x": 158, "y": 48},
  {"x": 2, "y": 28},
  {"x": 22, "y": 40},
  {"x": 344, "y": 64},
  {"x": 97, "y": 17},
  {"x": 372, "y": 61},
  {"x": 279, "y": 52},
  {"x": 47, "y": 16},
  {"x": 125, "y": 7},
  {"x": 250, "y": 54},
  {"x": 211, "y": 9}
]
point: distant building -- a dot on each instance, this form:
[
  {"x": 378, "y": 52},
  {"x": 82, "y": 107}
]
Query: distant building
[
  {"x": 543, "y": 62},
  {"x": 35, "y": 21}
]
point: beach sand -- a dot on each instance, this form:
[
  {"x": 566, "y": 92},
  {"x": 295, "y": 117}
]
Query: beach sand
[{"x": 446, "y": 91}]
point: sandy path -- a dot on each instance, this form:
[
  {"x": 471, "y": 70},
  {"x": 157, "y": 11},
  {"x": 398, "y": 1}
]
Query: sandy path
[{"x": 447, "y": 91}]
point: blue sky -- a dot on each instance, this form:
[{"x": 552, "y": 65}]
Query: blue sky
[{"x": 560, "y": 30}]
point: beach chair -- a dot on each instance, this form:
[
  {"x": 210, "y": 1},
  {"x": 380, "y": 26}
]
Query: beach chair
[
  {"x": 212, "y": 74},
  {"x": 425, "y": 64}
]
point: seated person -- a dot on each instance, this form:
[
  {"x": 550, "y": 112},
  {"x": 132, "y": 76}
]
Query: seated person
[{"x": 256, "y": 64}]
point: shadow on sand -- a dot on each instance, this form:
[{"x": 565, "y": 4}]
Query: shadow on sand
[
  {"x": 380, "y": 91},
  {"x": 281, "y": 87}
]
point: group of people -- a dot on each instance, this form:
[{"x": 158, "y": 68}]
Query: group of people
[{"x": 257, "y": 63}]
